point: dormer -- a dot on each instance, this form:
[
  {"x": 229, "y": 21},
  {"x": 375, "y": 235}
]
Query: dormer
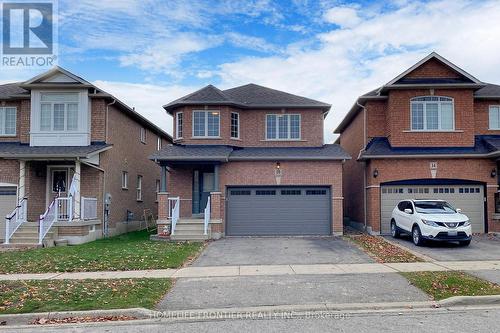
[{"x": 60, "y": 112}]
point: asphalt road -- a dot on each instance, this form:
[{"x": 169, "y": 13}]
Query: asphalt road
[{"x": 429, "y": 320}]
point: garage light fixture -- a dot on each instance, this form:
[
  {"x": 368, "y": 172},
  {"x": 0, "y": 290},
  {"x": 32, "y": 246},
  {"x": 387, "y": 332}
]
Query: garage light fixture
[
  {"x": 493, "y": 173},
  {"x": 375, "y": 173}
]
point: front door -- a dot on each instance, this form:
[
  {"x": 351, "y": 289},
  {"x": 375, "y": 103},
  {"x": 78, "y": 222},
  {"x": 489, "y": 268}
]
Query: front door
[
  {"x": 203, "y": 184},
  {"x": 58, "y": 182}
]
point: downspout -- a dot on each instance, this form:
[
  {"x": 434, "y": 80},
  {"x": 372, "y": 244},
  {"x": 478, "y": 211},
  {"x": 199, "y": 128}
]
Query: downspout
[
  {"x": 365, "y": 196},
  {"x": 103, "y": 192},
  {"x": 107, "y": 112}
]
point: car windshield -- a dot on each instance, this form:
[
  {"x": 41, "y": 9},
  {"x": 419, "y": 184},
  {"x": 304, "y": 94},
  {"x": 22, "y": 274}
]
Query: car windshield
[{"x": 434, "y": 207}]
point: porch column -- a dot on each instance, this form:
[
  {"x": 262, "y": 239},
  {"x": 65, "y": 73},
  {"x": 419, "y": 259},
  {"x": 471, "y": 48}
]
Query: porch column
[
  {"x": 216, "y": 178},
  {"x": 163, "y": 179},
  {"x": 76, "y": 208},
  {"x": 22, "y": 181}
]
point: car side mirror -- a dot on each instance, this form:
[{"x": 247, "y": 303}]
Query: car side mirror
[
  {"x": 459, "y": 210},
  {"x": 408, "y": 211}
]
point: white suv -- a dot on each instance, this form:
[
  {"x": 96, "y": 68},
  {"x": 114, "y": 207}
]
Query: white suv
[{"x": 434, "y": 220}]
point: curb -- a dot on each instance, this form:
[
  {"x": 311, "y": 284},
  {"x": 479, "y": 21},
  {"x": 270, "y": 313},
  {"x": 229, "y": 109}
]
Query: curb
[{"x": 142, "y": 314}]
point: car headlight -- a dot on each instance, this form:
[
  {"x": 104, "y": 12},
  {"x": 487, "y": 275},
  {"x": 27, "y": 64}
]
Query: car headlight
[
  {"x": 430, "y": 223},
  {"x": 467, "y": 223}
]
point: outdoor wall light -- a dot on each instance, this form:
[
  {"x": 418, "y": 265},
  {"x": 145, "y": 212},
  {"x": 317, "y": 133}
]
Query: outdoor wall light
[
  {"x": 375, "y": 173},
  {"x": 493, "y": 173},
  {"x": 278, "y": 165}
]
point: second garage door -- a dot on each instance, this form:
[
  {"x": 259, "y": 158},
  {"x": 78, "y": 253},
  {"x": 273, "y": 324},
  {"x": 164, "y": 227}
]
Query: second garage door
[
  {"x": 269, "y": 211},
  {"x": 7, "y": 205},
  {"x": 469, "y": 198}
]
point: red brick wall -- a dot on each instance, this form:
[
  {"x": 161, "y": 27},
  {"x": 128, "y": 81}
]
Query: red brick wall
[
  {"x": 392, "y": 170},
  {"x": 98, "y": 119},
  {"x": 91, "y": 186},
  {"x": 180, "y": 184},
  {"x": 433, "y": 69},
  {"x": 9, "y": 171},
  {"x": 36, "y": 190},
  {"x": 252, "y": 128},
  {"x": 399, "y": 120},
  {"x": 376, "y": 120},
  {"x": 481, "y": 116}
]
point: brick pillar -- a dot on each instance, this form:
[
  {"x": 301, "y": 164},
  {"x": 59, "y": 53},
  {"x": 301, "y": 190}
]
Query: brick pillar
[
  {"x": 373, "y": 210},
  {"x": 216, "y": 213},
  {"x": 162, "y": 220},
  {"x": 338, "y": 216},
  {"x": 493, "y": 218}
]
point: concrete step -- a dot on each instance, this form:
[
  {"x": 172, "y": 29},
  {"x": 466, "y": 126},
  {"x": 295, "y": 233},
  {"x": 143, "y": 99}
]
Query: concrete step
[
  {"x": 177, "y": 237},
  {"x": 20, "y": 246},
  {"x": 189, "y": 232},
  {"x": 190, "y": 221},
  {"x": 24, "y": 240},
  {"x": 25, "y": 233},
  {"x": 189, "y": 227}
]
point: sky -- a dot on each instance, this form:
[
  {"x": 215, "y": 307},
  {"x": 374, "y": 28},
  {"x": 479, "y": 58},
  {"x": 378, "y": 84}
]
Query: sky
[{"x": 150, "y": 52}]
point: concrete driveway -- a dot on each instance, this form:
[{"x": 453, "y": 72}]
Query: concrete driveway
[
  {"x": 482, "y": 247},
  {"x": 280, "y": 251}
]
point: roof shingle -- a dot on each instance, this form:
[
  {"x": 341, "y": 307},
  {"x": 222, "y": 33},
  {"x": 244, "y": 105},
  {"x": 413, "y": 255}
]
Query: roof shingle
[{"x": 18, "y": 150}]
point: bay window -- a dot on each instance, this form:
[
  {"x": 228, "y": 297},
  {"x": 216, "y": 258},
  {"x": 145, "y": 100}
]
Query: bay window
[
  {"x": 59, "y": 111},
  {"x": 206, "y": 124},
  {"x": 7, "y": 121},
  {"x": 432, "y": 113},
  {"x": 283, "y": 127}
]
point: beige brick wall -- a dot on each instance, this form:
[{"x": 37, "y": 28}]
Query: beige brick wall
[{"x": 252, "y": 128}]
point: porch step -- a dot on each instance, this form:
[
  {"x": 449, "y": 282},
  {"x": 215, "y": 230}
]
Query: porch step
[
  {"x": 182, "y": 237},
  {"x": 189, "y": 227},
  {"x": 190, "y": 221}
]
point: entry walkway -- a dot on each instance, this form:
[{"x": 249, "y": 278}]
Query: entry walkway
[{"x": 269, "y": 270}]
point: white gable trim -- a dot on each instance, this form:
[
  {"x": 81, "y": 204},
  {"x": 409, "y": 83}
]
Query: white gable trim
[
  {"x": 440, "y": 58},
  {"x": 56, "y": 72}
]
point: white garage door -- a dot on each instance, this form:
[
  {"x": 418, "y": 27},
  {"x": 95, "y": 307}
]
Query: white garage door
[
  {"x": 469, "y": 198},
  {"x": 7, "y": 205}
]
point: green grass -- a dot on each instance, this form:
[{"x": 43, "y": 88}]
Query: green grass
[
  {"x": 441, "y": 285},
  {"x": 68, "y": 295},
  {"x": 131, "y": 251}
]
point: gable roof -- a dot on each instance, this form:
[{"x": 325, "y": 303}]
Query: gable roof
[
  {"x": 22, "y": 90},
  {"x": 245, "y": 97}
]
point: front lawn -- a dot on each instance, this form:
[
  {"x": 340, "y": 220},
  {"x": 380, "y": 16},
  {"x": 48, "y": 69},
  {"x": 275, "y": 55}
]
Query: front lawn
[
  {"x": 441, "y": 285},
  {"x": 131, "y": 251},
  {"x": 381, "y": 250},
  {"x": 68, "y": 295}
]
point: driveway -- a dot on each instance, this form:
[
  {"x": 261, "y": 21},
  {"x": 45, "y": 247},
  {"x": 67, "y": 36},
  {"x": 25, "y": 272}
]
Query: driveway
[
  {"x": 482, "y": 247},
  {"x": 280, "y": 251}
]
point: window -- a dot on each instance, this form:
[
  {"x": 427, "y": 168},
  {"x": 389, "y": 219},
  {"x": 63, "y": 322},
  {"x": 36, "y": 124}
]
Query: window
[
  {"x": 240, "y": 192},
  {"x": 124, "y": 180},
  {"x": 283, "y": 127},
  {"x": 158, "y": 143},
  {"x": 291, "y": 192},
  {"x": 59, "y": 112},
  {"x": 178, "y": 130},
  {"x": 432, "y": 113},
  {"x": 139, "y": 188},
  {"x": 157, "y": 189},
  {"x": 494, "y": 117},
  {"x": 315, "y": 192},
  {"x": 265, "y": 192},
  {"x": 143, "y": 135},
  {"x": 8, "y": 121},
  {"x": 206, "y": 124},
  {"x": 235, "y": 125}
]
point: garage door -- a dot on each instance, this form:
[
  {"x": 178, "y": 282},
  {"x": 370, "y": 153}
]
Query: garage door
[
  {"x": 268, "y": 211},
  {"x": 7, "y": 205},
  {"x": 469, "y": 198}
]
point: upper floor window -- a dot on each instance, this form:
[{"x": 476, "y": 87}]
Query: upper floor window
[
  {"x": 283, "y": 126},
  {"x": 432, "y": 113},
  {"x": 206, "y": 124},
  {"x": 143, "y": 135},
  {"x": 7, "y": 121},
  {"x": 494, "y": 117},
  {"x": 235, "y": 125},
  {"x": 124, "y": 180},
  {"x": 59, "y": 111},
  {"x": 158, "y": 143},
  {"x": 178, "y": 129}
]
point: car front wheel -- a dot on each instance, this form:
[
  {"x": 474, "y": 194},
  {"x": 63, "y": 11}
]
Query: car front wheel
[
  {"x": 416, "y": 235},
  {"x": 394, "y": 230}
]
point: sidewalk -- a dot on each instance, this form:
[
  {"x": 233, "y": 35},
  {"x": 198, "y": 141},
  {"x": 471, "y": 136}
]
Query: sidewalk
[{"x": 267, "y": 270}]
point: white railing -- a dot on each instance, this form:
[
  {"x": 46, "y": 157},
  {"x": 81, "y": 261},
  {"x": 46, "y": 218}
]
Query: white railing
[
  {"x": 15, "y": 219},
  {"x": 207, "y": 216},
  {"x": 173, "y": 212},
  {"x": 89, "y": 208},
  {"x": 47, "y": 220},
  {"x": 64, "y": 209}
]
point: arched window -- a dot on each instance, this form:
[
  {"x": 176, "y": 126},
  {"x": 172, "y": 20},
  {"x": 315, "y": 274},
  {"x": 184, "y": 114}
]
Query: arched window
[{"x": 432, "y": 113}]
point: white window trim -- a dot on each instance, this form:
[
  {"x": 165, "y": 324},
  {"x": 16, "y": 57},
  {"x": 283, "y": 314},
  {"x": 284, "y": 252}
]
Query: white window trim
[
  {"x": 139, "y": 188},
  {"x": 124, "y": 180},
  {"x": 231, "y": 125},
  {"x": 489, "y": 124},
  {"x": 412, "y": 101},
  {"x": 289, "y": 127},
  {"x": 206, "y": 136},
  {"x": 15, "y": 120},
  {"x": 177, "y": 136},
  {"x": 143, "y": 135}
]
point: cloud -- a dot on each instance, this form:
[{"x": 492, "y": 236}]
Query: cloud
[
  {"x": 342, "y": 16},
  {"x": 250, "y": 42}
]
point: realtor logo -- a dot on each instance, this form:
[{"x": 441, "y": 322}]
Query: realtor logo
[{"x": 28, "y": 33}]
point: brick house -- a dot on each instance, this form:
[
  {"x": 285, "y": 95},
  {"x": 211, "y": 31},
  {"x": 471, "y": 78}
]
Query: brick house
[
  {"x": 73, "y": 161},
  {"x": 249, "y": 161},
  {"x": 431, "y": 132}
]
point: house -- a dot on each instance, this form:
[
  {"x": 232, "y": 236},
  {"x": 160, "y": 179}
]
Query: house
[
  {"x": 431, "y": 132},
  {"x": 249, "y": 161},
  {"x": 73, "y": 161}
]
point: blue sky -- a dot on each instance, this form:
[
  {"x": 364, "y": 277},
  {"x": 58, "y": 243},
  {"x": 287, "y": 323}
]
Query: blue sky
[{"x": 149, "y": 52}]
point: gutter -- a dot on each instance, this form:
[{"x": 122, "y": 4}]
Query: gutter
[
  {"x": 488, "y": 155},
  {"x": 365, "y": 181}
]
